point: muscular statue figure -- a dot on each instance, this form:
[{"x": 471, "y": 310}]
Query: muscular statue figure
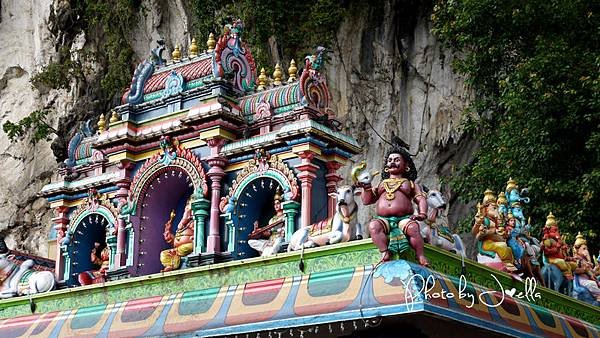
[
  {"x": 182, "y": 241},
  {"x": 395, "y": 226},
  {"x": 555, "y": 249},
  {"x": 585, "y": 267}
]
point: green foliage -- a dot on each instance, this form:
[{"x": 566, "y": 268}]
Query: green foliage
[
  {"x": 36, "y": 122},
  {"x": 297, "y": 26},
  {"x": 57, "y": 75},
  {"x": 114, "y": 18},
  {"x": 535, "y": 69}
]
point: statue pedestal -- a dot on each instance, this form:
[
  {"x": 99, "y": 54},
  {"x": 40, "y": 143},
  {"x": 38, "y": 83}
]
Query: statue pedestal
[
  {"x": 215, "y": 257},
  {"x": 195, "y": 260},
  {"x": 118, "y": 273}
]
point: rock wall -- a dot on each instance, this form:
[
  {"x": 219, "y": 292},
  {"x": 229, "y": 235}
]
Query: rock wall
[
  {"x": 387, "y": 74},
  {"x": 26, "y": 46},
  {"x": 390, "y": 76}
]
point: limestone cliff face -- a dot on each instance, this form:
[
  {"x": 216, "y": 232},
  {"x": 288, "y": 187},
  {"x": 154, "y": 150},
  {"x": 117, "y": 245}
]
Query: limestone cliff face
[
  {"x": 390, "y": 76},
  {"x": 27, "y": 45},
  {"x": 386, "y": 69}
]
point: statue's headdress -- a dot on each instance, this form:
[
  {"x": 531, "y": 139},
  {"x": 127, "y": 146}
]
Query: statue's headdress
[
  {"x": 488, "y": 198},
  {"x": 550, "y": 220},
  {"x": 278, "y": 195}
]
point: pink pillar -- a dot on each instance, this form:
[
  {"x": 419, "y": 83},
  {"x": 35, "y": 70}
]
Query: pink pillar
[
  {"x": 61, "y": 223},
  {"x": 306, "y": 176},
  {"x": 121, "y": 195},
  {"x": 332, "y": 178},
  {"x": 216, "y": 173}
]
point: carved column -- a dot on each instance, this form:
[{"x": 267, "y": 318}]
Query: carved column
[
  {"x": 61, "y": 223},
  {"x": 290, "y": 209},
  {"x": 200, "y": 210},
  {"x": 121, "y": 196},
  {"x": 332, "y": 178},
  {"x": 215, "y": 173},
  {"x": 306, "y": 176}
]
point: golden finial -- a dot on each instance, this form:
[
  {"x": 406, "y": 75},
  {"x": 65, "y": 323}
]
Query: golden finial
[
  {"x": 172, "y": 215},
  {"x": 488, "y": 198},
  {"x": 193, "y": 48},
  {"x": 277, "y": 74},
  {"x": 550, "y": 220},
  {"x": 262, "y": 79},
  {"x": 211, "y": 43},
  {"x": 101, "y": 124},
  {"x": 511, "y": 184},
  {"x": 176, "y": 55},
  {"x": 292, "y": 71},
  {"x": 114, "y": 117},
  {"x": 502, "y": 198}
]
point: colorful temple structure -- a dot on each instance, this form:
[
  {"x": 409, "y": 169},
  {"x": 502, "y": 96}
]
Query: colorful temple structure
[{"x": 174, "y": 215}]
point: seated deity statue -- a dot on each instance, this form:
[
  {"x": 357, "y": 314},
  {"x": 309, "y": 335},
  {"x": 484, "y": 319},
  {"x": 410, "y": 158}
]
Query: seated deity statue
[
  {"x": 182, "y": 241},
  {"x": 555, "y": 249},
  {"x": 268, "y": 241},
  {"x": 491, "y": 235},
  {"x": 100, "y": 263},
  {"x": 585, "y": 267}
]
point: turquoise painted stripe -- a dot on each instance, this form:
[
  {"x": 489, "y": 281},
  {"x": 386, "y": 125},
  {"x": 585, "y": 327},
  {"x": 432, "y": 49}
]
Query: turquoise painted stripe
[
  {"x": 87, "y": 317},
  {"x": 195, "y": 302}
]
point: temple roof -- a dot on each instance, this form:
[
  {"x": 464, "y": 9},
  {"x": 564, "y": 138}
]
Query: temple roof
[{"x": 190, "y": 70}]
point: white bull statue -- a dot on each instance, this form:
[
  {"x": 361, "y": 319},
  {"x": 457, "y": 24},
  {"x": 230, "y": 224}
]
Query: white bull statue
[
  {"x": 21, "y": 280},
  {"x": 342, "y": 227},
  {"x": 439, "y": 235}
]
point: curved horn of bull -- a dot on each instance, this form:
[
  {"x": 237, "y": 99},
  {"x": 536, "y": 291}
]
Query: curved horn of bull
[
  {"x": 425, "y": 189},
  {"x": 357, "y": 170}
]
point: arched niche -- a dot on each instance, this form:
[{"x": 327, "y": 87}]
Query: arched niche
[
  {"x": 251, "y": 197},
  {"x": 164, "y": 184},
  {"x": 92, "y": 222}
]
